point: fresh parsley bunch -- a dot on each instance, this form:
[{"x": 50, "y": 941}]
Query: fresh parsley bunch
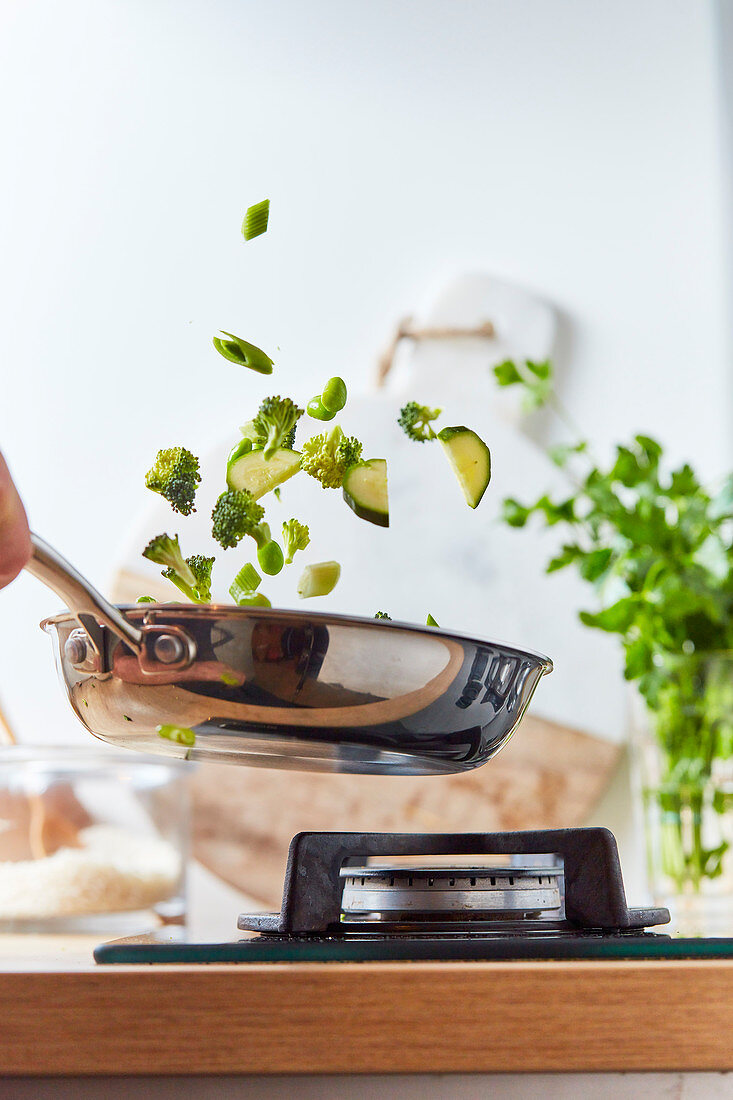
[{"x": 657, "y": 546}]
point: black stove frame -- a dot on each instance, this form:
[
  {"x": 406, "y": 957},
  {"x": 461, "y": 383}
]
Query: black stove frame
[
  {"x": 595, "y": 898},
  {"x": 598, "y": 924}
]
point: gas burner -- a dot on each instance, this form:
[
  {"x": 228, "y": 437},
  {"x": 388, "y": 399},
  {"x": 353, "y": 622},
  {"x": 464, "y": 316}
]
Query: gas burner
[
  {"x": 543, "y": 882},
  {"x": 459, "y": 898},
  {"x": 371, "y": 897}
]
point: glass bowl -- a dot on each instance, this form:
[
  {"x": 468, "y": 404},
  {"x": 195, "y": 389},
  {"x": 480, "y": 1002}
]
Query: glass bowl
[{"x": 91, "y": 840}]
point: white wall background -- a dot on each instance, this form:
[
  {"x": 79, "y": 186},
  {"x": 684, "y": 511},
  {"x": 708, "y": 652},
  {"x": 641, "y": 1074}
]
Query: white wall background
[{"x": 571, "y": 146}]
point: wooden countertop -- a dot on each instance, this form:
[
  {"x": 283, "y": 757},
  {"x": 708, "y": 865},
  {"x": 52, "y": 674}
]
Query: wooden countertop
[{"x": 62, "y": 1014}]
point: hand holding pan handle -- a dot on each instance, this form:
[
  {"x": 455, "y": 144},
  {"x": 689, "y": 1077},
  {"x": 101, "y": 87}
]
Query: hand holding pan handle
[{"x": 153, "y": 645}]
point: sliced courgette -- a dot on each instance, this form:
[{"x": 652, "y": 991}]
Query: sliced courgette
[
  {"x": 365, "y": 491},
  {"x": 252, "y": 471},
  {"x": 471, "y": 461}
]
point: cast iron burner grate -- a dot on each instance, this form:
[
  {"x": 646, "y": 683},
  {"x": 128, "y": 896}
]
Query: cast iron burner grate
[{"x": 557, "y": 881}]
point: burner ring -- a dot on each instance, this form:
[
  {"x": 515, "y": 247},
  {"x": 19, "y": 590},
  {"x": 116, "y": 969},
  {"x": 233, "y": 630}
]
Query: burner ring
[{"x": 374, "y": 894}]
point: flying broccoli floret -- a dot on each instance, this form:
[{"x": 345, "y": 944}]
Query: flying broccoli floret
[
  {"x": 274, "y": 423},
  {"x": 236, "y": 514},
  {"x": 165, "y": 550},
  {"x": 327, "y": 457},
  {"x": 415, "y": 421},
  {"x": 382, "y": 615},
  {"x": 200, "y": 592},
  {"x": 296, "y": 536},
  {"x": 201, "y": 569},
  {"x": 175, "y": 475}
]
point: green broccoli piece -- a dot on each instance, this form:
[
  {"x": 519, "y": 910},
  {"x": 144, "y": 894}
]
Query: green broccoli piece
[
  {"x": 175, "y": 475},
  {"x": 200, "y": 592},
  {"x": 382, "y": 615},
  {"x": 296, "y": 536},
  {"x": 254, "y": 439},
  {"x": 164, "y": 550},
  {"x": 236, "y": 514},
  {"x": 275, "y": 423},
  {"x": 191, "y": 575},
  {"x": 415, "y": 420},
  {"x": 327, "y": 457}
]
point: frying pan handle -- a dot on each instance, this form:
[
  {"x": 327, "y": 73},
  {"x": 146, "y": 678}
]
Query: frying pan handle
[{"x": 81, "y": 598}]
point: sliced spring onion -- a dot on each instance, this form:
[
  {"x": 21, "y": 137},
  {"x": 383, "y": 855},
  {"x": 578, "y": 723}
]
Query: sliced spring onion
[
  {"x": 182, "y": 735},
  {"x": 318, "y": 579},
  {"x": 248, "y": 578}
]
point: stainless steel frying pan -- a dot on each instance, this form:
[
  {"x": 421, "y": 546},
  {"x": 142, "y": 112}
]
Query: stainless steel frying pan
[{"x": 284, "y": 689}]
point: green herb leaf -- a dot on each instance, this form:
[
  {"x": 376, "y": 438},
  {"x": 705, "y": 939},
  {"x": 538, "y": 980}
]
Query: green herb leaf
[{"x": 506, "y": 373}]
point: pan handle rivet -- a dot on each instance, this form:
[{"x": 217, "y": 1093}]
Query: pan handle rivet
[
  {"x": 75, "y": 650},
  {"x": 168, "y": 649}
]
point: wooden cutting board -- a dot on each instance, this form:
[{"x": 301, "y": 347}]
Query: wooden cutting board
[{"x": 547, "y": 777}]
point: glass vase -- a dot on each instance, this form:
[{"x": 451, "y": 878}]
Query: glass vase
[{"x": 683, "y": 751}]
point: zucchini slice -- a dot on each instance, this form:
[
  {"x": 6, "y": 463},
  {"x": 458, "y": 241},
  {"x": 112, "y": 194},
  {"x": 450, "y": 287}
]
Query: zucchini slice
[
  {"x": 254, "y": 472},
  {"x": 471, "y": 461},
  {"x": 365, "y": 491}
]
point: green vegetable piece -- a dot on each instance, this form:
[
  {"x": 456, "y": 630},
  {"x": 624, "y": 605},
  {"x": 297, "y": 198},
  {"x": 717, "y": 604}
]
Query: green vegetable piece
[
  {"x": 365, "y": 491},
  {"x": 318, "y": 579},
  {"x": 327, "y": 457},
  {"x": 243, "y": 588},
  {"x": 430, "y": 621},
  {"x": 146, "y": 599},
  {"x": 277, "y": 492},
  {"x": 276, "y": 418},
  {"x": 253, "y": 599},
  {"x": 318, "y": 411},
  {"x": 166, "y": 551},
  {"x": 270, "y": 557},
  {"x": 244, "y": 354},
  {"x": 175, "y": 475},
  {"x": 470, "y": 459},
  {"x": 382, "y": 615},
  {"x": 253, "y": 472},
  {"x": 242, "y": 448},
  {"x": 333, "y": 397},
  {"x": 255, "y": 220},
  {"x": 248, "y": 578},
  {"x": 200, "y": 590},
  {"x": 230, "y": 679},
  {"x": 182, "y": 735},
  {"x": 415, "y": 420},
  {"x": 235, "y": 514},
  {"x": 296, "y": 536}
]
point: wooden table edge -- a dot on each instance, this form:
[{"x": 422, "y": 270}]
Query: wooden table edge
[{"x": 368, "y": 1018}]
